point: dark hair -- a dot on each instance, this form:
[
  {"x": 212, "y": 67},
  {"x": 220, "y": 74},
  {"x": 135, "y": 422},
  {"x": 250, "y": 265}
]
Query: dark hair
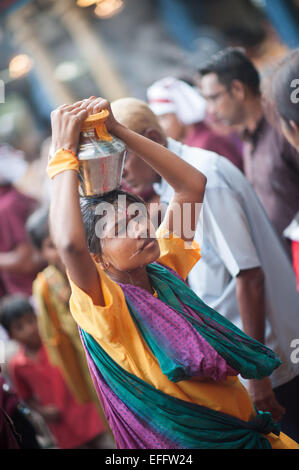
[
  {"x": 284, "y": 74},
  {"x": 37, "y": 226},
  {"x": 232, "y": 64},
  {"x": 14, "y": 307},
  {"x": 90, "y": 218}
]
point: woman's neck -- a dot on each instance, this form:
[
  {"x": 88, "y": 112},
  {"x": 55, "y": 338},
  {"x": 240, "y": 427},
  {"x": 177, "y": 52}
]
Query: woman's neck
[{"x": 139, "y": 278}]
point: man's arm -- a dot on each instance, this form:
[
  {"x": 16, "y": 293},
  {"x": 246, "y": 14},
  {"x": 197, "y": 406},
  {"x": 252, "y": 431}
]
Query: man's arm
[
  {"x": 251, "y": 301},
  {"x": 250, "y": 295},
  {"x": 234, "y": 244}
]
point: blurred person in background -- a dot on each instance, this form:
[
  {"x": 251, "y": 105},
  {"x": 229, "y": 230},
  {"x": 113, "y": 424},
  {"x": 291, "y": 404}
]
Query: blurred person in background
[
  {"x": 182, "y": 115},
  {"x": 19, "y": 261},
  {"x": 8, "y": 436},
  {"x": 34, "y": 183},
  {"x": 230, "y": 84},
  {"x": 59, "y": 331},
  {"x": 15, "y": 409},
  {"x": 285, "y": 94},
  {"x": 41, "y": 384},
  {"x": 242, "y": 261}
]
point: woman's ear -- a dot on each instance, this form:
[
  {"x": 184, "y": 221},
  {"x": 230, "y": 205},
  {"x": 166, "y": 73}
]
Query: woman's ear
[{"x": 100, "y": 259}]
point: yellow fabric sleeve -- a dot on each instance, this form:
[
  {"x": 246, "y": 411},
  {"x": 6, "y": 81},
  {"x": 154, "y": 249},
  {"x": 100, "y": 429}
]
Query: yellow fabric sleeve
[
  {"x": 176, "y": 253},
  {"x": 62, "y": 161}
]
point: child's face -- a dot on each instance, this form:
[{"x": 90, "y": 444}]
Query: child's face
[
  {"x": 50, "y": 254},
  {"x": 25, "y": 330},
  {"x": 129, "y": 242}
]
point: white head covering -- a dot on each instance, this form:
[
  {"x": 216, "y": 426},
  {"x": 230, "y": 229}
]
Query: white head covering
[{"x": 170, "y": 95}]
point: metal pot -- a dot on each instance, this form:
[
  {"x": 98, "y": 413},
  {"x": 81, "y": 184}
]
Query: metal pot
[{"x": 101, "y": 157}]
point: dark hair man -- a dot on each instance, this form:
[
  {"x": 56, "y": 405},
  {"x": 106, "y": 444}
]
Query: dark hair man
[{"x": 230, "y": 84}]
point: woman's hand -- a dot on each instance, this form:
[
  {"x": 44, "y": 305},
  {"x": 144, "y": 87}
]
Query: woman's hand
[
  {"x": 66, "y": 123},
  {"x": 97, "y": 105}
]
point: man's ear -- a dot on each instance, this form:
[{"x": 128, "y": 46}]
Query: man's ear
[
  {"x": 155, "y": 135},
  {"x": 238, "y": 90}
]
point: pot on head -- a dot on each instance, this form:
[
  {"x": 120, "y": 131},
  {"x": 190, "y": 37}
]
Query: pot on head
[{"x": 101, "y": 157}]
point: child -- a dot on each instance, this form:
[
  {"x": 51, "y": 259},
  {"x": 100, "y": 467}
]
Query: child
[
  {"x": 164, "y": 364},
  {"x": 41, "y": 385},
  {"x": 59, "y": 331}
]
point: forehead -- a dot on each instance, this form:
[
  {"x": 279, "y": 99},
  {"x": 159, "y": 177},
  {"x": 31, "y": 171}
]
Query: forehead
[
  {"x": 209, "y": 84},
  {"x": 121, "y": 213}
]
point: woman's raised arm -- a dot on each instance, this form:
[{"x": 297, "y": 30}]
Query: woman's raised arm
[{"x": 66, "y": 224}]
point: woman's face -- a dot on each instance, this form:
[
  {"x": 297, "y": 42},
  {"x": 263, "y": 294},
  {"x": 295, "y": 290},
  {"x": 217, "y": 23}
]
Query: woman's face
[{"x": 128, "y": 239}]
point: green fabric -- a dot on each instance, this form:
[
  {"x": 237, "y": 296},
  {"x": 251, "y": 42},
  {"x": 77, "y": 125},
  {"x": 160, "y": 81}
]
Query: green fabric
[
  {"x": 244, "y": 354},
  {"x": 187, "y": 425}
]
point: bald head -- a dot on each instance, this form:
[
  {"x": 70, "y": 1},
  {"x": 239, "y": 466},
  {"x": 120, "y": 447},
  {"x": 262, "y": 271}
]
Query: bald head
[{"x": 136, "y": 115}]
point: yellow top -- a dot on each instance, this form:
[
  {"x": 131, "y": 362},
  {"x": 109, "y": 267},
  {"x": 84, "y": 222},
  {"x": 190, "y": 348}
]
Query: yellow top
[{"x": 114, "y": 329}]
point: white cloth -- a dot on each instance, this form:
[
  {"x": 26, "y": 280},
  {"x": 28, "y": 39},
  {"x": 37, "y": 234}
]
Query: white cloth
[
  {"x": 238, "y": 235},
  {"x": 171, "y": 95},
  {"x": 292, "y": 230}
]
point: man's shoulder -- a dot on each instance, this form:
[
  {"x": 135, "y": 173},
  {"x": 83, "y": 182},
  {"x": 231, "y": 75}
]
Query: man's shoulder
[{"x": 206, "y": 161}]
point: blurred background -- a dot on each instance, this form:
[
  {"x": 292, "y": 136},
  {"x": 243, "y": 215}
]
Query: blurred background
[{"x": 57, "y": 51}]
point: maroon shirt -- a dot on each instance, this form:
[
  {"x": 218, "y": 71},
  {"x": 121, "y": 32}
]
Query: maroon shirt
[
  {"x": 15, "y": 208},
  {"x": 271, "y": 165},
  {"x": 205, "y": 138}
]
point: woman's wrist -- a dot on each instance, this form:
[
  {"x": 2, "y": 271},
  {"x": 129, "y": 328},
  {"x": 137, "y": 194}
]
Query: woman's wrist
[{"x": 63, "y": 160}]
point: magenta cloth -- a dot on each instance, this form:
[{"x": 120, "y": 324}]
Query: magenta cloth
[
  {"x": 129, "y": 430},
  {"x": 15, "y": 208},
  {"x": 176, "y": 336},
  {"x": 227, "y": 146}
]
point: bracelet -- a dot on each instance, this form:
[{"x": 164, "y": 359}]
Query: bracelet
[
  {"x": 70, "y": 151},
  {"x": 63, "y": 160}
]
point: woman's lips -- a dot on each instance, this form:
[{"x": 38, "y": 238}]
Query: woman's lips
[{"x": 148, "y": 244}]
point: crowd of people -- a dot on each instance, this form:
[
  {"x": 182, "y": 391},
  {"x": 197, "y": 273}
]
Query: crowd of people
[{"x": 175, "y": 340}]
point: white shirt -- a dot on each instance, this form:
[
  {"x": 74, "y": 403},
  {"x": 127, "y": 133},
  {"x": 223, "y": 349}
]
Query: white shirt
[{"x": 235, "y": 234}]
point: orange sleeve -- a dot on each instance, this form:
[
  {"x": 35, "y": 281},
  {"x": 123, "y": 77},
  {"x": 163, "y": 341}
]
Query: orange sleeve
[{"x": 175, "y": 253}]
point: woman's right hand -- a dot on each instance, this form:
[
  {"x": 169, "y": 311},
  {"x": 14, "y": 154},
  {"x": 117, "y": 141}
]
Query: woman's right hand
[{"x": 66, "y": 123}]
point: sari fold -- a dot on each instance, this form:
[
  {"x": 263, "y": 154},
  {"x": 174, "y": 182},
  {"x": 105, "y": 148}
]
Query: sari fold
[{"x": 163, "y": 421}]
